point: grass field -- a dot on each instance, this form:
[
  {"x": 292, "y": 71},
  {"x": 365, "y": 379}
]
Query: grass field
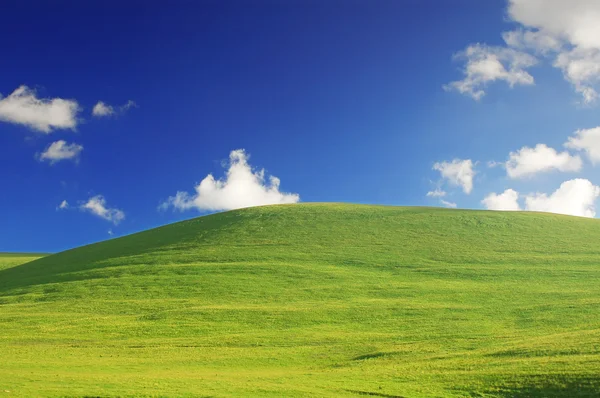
[
  {"x": 8, "y": 260},
  {"x": 312, "y": 300}
]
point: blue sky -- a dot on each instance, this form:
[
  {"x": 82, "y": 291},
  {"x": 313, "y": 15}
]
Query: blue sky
[{"x": 345, "y": 101}]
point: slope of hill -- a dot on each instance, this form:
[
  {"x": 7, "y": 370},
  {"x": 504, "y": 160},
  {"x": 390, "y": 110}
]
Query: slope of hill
[
  {"x": 313, "y": 300},
  {"x": 8, "y": 260}
]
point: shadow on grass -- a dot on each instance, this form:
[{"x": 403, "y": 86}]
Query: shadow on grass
[
  {"x": 561, "y": 386},
  {"x": 374, "y": 394},
  {"x": 153, "y": 246}
]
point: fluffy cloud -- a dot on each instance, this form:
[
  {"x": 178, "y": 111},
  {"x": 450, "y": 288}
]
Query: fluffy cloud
[
  {"x": 529, "y": 161},
  {"x": 581, "y": 68},
  {"x": 40, "y": 114},
  {"x": 588, "y": 141},
  {"x": 571, "y": 29},
  {"x": 97, "y": 206},
  {"x": 242, "y": 187},
  {"x": 575, "y": 21},
  {"x": 63, "y": 205},
  {"x": 566, "y": 33},
  {"x": 507, "y": 200},
  {"x": 60, "y": 150},
  {"x": 486, "y": 64},
  {"x": 102, "y": 109},
  {"x": 574, "y": 197},
  {"x": 458, "y": 172}
]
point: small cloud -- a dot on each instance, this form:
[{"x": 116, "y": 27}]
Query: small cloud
[
  {"x": 63, "y": 205},
  {"x": 241, "y": 187},
  {"x": 102, "y": 109},
  {"x": 110, "y": 232},
  {"x": 130, "y": 104},
  {"x": 97, "y": 206},
  {"x": 451, "y": 205},
  {"x": 458, "y": 172},
  {"x": 60, "y": 150},
  {"x": 438, "y": 193},
  {"x": 40, "y": 114},
  {"x": 485, "y": 64}
]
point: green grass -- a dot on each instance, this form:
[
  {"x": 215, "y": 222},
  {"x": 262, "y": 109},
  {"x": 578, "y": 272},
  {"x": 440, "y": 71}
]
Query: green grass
[
  {"x": 8, "y": 260},
  {"x": 313, "y": 300}
]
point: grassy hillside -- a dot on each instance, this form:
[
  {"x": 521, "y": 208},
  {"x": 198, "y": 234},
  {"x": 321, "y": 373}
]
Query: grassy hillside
[
  {"x": 313, "y": 300},
  {"x": 8, "y": 260}
]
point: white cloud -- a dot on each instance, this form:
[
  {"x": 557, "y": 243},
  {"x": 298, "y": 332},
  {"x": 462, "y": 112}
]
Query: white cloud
[
  {"x": 508, "y": 200},
  {"x": 458, "y": 172},
  {"x": 581, "y": 68},
  {"x": 529, "y": 161},
  {"x": 102, "y": 109},
  {"x": 40, "y": 114},
  {"x": 63, "y": 205},
  {"x": 588, "y": 141},
  {"x": 242, "y": 187},
  {"x": 97, "y": 206},
  {"x": 128, "y": 105},
  {"x": 438, "y": 193},
  {"x": 452, "y": 205},
  {"x": 575, "y": 20},
  {"x": 574, "y": 197},
  {"x": 60, "y": 150},
  {"x": 566, "y": 33},
  {"x": 486, "y": 64},
  {"x": 538, "y": 41},
  {"x": 571, "y": 29}
]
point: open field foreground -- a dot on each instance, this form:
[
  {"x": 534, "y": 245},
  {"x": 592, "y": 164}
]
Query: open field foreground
[{"x": 312, "y": 300}]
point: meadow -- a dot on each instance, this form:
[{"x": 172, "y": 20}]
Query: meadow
[{"x": 312, "y": 300}]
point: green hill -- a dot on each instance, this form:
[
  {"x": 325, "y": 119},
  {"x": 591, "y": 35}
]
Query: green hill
[
  {"x": 8, "y": 260},
  {"x": 313, "y": 300}
]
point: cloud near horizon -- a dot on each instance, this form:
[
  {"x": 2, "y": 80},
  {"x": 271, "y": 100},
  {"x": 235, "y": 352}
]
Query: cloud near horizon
[
  {"x": 44, "y": 115},
  {"x": 575, "y": 197},
  {"x": 446, "y": 203},
  {"x": 241, "y": 187}
]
